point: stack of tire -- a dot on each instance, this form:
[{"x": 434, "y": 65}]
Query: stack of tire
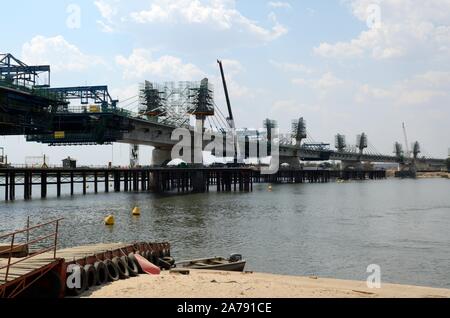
[{"x": 110, "y": 270}]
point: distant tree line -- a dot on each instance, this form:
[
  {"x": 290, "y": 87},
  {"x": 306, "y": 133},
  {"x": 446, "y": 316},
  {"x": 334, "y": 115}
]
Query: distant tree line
[{"x": 448, "y": 164}]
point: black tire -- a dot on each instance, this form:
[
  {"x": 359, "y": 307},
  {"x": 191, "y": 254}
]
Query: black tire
[
  {"x": 144, "y": 254},
  {"x": 149, "y": 256},
  {"x": 153, "y": 258},
  {"x": 92, "y": 275},
  {"x": 102, "y": 273},
  {"x": 169, "y": 260},
  {"x": 84, "y": 284},
  {"x": 132, "y": 268},
  {"x": 122, "y": 267},
  {"x": 163, "y": 264},
  {"x": 112, "y": 270},
  {"x": 135, "y": 261}
]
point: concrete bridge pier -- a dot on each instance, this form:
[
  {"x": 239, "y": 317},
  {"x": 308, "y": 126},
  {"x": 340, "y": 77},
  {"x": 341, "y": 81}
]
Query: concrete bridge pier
[
  {"x": 356, "y": 165},
  {"x": 292, "y": 161},
  {"x": 161, "y": 157}
]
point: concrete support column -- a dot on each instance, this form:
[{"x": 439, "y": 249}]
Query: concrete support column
[
  {"x": 197, "y": 143},
  {"x": 293, "y": 161},
  {"x": 161, "y": 157},
  {"x": 196, "y": 156},
  {"x": 357, "y": 165}
]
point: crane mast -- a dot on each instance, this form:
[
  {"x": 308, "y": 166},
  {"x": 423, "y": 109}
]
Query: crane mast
[
  {"x": 406, "y": 141},
  {"x": 230, "y": 118}
]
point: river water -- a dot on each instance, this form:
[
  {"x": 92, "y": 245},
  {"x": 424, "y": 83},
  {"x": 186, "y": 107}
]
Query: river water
[{"x": 329, "y": 230}]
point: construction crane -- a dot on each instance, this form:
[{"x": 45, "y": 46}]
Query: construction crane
[
  {"x": 230, "y": 118},
  {"x": 408, "y": 153}
]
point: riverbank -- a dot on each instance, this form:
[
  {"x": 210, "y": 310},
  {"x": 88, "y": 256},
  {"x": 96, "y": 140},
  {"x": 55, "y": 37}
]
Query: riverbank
[
  {"x": 422, "y": 175},
  {"x": 211, "y": 284},
  {"x": 426, "y": 175}
]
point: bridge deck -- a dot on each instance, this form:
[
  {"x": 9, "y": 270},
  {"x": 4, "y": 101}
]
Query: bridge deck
[{"x": 27, "y": 267}]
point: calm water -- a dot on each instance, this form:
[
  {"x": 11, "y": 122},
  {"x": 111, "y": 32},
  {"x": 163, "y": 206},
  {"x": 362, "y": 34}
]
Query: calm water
[{"x": 329, "y": 230}]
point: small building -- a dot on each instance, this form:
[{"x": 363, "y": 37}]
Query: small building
[{"x": 69, "y": 163}]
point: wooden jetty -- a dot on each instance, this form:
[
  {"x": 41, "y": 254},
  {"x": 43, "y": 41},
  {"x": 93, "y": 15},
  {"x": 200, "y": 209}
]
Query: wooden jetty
[
  {"x": 161, "y": 180},
  {"x": 44, "y": 271},
  {"x": 180, "y": 180}
]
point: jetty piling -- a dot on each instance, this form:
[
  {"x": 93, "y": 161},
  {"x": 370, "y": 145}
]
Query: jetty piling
[{"x": 162, "y": 180}]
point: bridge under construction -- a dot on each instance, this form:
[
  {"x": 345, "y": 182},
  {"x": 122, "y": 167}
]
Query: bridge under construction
[{"x": 30, "y": 106}]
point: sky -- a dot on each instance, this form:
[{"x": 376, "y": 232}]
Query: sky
[{"x": 346, "y": 66}]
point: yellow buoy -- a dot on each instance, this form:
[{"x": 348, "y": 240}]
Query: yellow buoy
[
  {"x": 270, "y": 188},
  {"x": 136, "y": 211},
  {"x": 109, "y": 220}
]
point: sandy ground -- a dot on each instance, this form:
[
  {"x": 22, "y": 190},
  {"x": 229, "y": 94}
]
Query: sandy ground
[
  {"x": 211, "y": 284},
  {"x": 425, "y": 175}
]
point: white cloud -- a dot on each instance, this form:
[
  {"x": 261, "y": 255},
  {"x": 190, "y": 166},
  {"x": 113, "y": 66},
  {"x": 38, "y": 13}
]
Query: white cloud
[
  {"x": 105, "y": 27},
  {"x": 141, "y": 63},
  {"x": 60, "y": 54},
  {"x": 108, "y": 10},
  {"x": 371, "y": 92},
  {"x": 233, "y": 69},
  {"x": 406, "y": 28},
  {"x": 219, "y": 15},
  {"x": 421, "y": 89},
  {"x": 328, "y": 80},
  {"x": 325, "y": 82},
  {"x": 300, "y": 81},
  {"x": 125, "y": 95},
  {"x": 279, "y": 4},
  {"x": 291, "y": 67},
  {"x": 418, "y": 97},
  {"x": 287, "y": 107}
]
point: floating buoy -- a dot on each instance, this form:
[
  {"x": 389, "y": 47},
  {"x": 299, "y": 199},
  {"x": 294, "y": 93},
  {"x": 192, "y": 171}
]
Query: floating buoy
[
  {"x": 136, "y": 211},
  {"x": 270, "y": 188},
  {"x": 109, "y": 220},
  {"x": 87, "y": 187}
]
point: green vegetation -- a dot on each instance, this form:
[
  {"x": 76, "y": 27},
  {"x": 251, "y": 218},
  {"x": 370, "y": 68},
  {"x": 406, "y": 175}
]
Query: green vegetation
[{"x": 448, "y": 164}]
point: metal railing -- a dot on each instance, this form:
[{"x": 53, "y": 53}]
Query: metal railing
[
  {"x": 26, "y": 231},
  {"x": 31, "y": 90},
  {"x": 96, "y": 109}
]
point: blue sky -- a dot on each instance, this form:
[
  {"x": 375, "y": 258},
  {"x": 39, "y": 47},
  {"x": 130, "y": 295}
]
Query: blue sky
[{"x": 347, "y": 66}]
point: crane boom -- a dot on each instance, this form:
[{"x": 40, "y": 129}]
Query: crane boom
[
  {"x": 406, "y": 141},
  {"x": 230, "y": 118},
  {"x": 227, "y": 97}
]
